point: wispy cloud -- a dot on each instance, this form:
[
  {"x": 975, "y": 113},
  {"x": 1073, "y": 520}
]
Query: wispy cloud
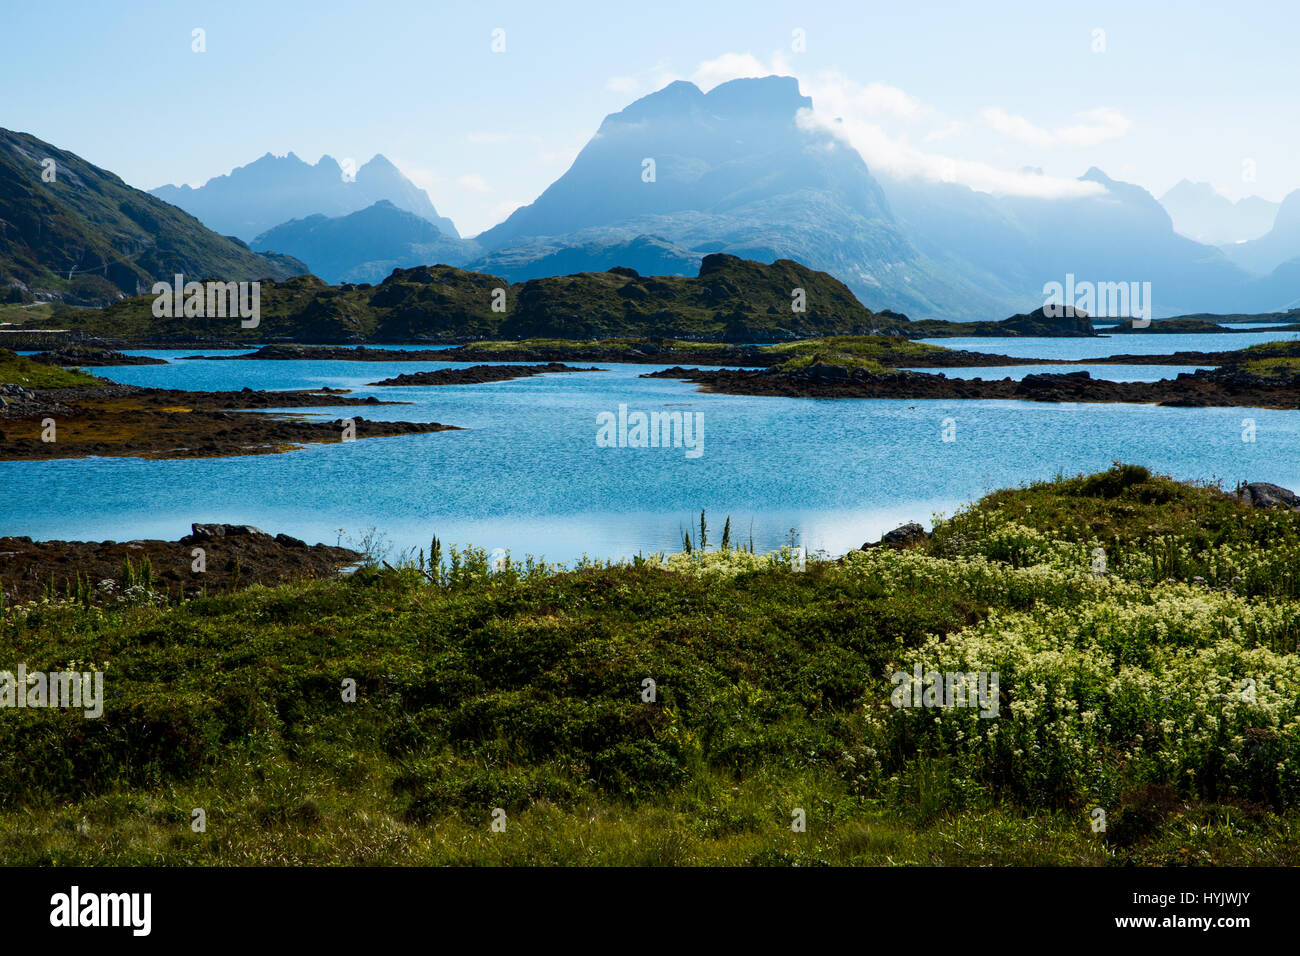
[
  {"x": 860, "y": 114},
  {"x": 1091, "y": 128},
  {"x": 474, "y": 183},
  {"x": 733, "y": 66}
]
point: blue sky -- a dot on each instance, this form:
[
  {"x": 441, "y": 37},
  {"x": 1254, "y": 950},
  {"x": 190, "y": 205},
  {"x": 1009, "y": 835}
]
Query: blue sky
[{"x": 968, "y": 91}]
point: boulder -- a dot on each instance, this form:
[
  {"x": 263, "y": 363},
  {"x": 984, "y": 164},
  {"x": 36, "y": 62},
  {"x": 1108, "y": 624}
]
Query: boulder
[
  {"x": 904, "y": 536},
  {"x": 1261, "y": 494},
  {"x": 206, "y": 532}
]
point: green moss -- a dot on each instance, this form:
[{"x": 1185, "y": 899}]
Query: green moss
[
  {"x": 862, "y": 346},
  {"x": 20, "y": 370},
  {"x": 836, "y": 359}
]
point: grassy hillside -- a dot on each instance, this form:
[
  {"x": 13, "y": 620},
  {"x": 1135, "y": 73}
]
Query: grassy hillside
[
  {"x": 732, "y": 299},
  {"x": 20, "y": 370},
  {"x": 87, "y": 236},
  {"x": 521, "y": 690}
]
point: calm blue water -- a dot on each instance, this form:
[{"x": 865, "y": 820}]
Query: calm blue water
[
  {"x": 526, "y": 474},
  {"x": 1114, "y": 373},
  {"x": 1129, "y": 344}
]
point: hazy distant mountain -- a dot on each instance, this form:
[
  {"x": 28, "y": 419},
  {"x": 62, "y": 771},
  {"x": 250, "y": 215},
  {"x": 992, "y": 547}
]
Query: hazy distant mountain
[
  {"x": 732, "y": 171},
  {"x": 1281, "y": 244},
  {"x": 367, "y": 245},
  {"x": 685, "y": 173},
  {"x": 648, "y": 255},
  {"x": 1017, "y": 244},
  {"x": 1202, "y": 214},
  {"x": 86, "y": 237},
  {"x": 274, "y": 189}
]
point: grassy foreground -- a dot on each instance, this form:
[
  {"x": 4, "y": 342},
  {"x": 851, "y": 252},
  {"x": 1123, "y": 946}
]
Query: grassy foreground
[{"x": 1163, "y": 691}]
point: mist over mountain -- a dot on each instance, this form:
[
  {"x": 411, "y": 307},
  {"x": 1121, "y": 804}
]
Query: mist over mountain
[
  {"x": 273, "y": 189},
  {"x": 367, "y": 245},
  {"x": 681, "y": 174},
  {"x": 1017, "y": 244},
  {"x": 733, "y": 171},
  {"x": 1201, "y": 213},
  {"x": 1279, "y": 245},
  {"x": 77, "y": 233}
]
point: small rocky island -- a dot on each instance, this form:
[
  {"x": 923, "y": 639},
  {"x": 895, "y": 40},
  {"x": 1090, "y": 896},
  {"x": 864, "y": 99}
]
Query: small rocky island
[
  {"x": 480, "y": 374},
  {"x": 49, "y": 412}
]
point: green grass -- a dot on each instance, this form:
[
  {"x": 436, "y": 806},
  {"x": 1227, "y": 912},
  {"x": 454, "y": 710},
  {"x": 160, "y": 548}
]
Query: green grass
[
  {"x": 861, "y": 346},
  {"x": 522, "y": 690},
  {"x": 20, "y": 370},
  {"x": 837, "y": 359},
  {"x": 857, "y": 351},
  {"x": 1274, "y": 367},
  {"x": 591, "y": 345}
]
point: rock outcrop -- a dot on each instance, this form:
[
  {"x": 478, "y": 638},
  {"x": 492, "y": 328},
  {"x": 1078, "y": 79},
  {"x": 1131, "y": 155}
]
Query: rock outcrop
[{"x": 1261, "y": 494}]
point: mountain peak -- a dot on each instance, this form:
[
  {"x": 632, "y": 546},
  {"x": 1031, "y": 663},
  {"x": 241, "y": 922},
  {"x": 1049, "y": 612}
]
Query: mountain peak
[
  {"x": 766, "y": 94},
  {"x": 252, "y": 199},
  {"x": 677, "y": 97}
]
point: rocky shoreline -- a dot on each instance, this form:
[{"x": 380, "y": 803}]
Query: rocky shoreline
[
  {"x": 128, "y": 421},
  {"x": 1231, "y": 387},
  {"x": 86, "y": 357},
  {"x": 324, "y": 353},
  {"x": 480, "y": 374},
  {"x": 641, "y": 353},
  {"x": 232, "y": 556}
]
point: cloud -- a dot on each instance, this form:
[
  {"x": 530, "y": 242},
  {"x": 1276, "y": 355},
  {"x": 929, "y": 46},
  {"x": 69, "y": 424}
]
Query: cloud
[
  {"x": 852, "y": 113},
  {"x": 1093, "y": 127},
  {"x": 734, "y": 66},
  {"x": 858, "y": 115},
  {"x": 950, "y": 130},
  {"x": 883, "y": 152},
  {"x": 877, "y": 99},
  {"x": 474, "y": 183}
]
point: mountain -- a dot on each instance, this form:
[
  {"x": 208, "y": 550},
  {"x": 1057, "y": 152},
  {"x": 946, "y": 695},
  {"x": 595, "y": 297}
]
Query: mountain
[
  {"x": 367, "y": 245},
  {"x": 1016, "y": 245},
  {"x": 87, "y": 238},
  {"x": 274, "y": 189},
  {"x": 1071, "y": 323},
  {"x": 732, "y": 171},
  {"x": 1280, "y": 244},
  {"x": 533, "y": 259},
  {"x": 1201, "y": 213},
  {"x": 730, "y": 298}
]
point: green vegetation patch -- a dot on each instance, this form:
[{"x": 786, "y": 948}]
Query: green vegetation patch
[
  {"x": 20, "y": 370},
  {"x": 1160, "y": 684}
]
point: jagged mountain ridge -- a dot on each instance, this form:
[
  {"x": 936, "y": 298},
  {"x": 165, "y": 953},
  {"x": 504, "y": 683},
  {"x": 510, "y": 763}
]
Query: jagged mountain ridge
[
  {"x": 734, "y": 171},
  {"x": 271, "y": 190}
]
